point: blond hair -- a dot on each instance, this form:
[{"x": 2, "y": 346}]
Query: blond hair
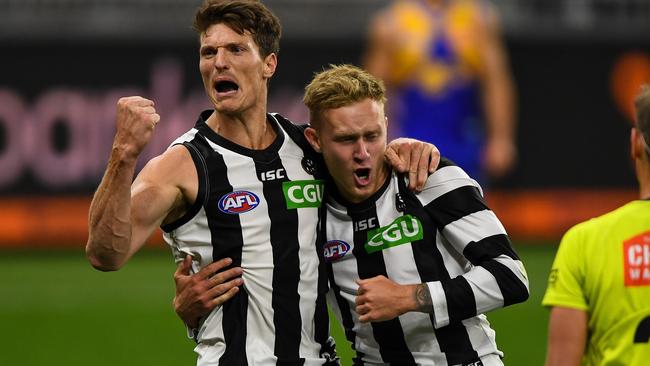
[{"x": 339, "y": 86}]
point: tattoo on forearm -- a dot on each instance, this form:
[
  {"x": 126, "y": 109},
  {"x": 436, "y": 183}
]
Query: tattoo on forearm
[{"x": 423, "y": 298}]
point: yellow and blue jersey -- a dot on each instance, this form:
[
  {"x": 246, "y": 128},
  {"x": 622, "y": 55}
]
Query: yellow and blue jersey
[{"x": 435, "y": 67}]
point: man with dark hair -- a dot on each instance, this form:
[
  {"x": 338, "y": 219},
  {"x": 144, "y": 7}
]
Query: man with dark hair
[
  {"x": 599, "y": 285},
  {"x": 237, "y": 195}
]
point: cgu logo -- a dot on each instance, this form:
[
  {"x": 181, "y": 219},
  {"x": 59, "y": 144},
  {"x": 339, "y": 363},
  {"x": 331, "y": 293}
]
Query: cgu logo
[
  {"x": 303, "y": 193},
  {"x": 405, "y": 229},
  {"x": 238, "y": 202},
  {"x": 335, "y": 250}
]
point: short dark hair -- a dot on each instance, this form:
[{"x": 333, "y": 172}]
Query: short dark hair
[
  {"x": 642, "y": 106},
  {"x": 242, "y": 16}
]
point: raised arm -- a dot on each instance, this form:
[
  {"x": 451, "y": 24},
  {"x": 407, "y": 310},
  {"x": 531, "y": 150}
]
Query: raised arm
[{"x": 123, "y": 215}]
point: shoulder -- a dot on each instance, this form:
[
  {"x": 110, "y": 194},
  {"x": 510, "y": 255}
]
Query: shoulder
[
  {"x": 449, "y": 179},
  {"x": 295, "y": 132},
  {"x": 615, "y": 223},
  {"x": 288, "y": 125},
  {"x": 448, "y": 173},
  {"x": 603, "y": 222},
  {"x": 174, "y": 167}
]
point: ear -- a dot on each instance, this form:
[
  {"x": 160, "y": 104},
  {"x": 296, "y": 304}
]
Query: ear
[
  {"x": 636, "y": 144},
  {"x": 312, "y": 136},
  {"x": 270, "y": 63}
]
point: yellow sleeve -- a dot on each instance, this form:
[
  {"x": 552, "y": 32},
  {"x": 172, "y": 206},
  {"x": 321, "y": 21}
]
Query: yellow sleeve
[{"x": 567, "y": 276}]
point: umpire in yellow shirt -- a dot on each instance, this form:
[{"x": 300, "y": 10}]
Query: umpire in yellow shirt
[{"x": 599, "y": 286}]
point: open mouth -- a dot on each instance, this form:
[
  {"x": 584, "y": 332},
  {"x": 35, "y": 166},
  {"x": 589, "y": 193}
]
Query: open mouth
[
  {"x": 363, "y": 174},
  {"x": 226, "y": 86}
]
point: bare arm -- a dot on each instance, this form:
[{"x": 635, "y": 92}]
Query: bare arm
[
  {"x": 567, "y": 336},
  {"x": 122, "y": 216},
  {"x": 498, "y": 98}
]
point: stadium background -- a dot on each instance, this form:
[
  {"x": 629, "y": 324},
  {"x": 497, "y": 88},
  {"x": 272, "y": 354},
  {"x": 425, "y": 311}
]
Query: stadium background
[{"x": 64, "y": 63}]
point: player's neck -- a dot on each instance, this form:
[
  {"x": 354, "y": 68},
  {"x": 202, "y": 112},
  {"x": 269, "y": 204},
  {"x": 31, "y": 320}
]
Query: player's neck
[
  {"x": 251, "y": 130},
  {"x": 643, "y": 176}
]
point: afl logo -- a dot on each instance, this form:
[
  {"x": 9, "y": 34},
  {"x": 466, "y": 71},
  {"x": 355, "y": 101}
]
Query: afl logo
[
  {"x": 238, "y": 202},
  {"x": 335, "y": 249}
]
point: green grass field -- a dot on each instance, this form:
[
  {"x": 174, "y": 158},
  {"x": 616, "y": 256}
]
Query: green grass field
[{"x": 56, "y": 310}]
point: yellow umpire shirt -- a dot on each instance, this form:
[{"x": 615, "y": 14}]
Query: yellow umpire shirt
[{"x": 603, "y": 267}]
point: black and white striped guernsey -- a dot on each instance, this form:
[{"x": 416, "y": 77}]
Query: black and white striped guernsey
[
  {"x": 445, "y": 236},
  {"x": 260, "y": 208}
]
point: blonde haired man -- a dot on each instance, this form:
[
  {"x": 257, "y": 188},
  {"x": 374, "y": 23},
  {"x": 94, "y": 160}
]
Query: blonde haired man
[{"x": 411, "y": 274}]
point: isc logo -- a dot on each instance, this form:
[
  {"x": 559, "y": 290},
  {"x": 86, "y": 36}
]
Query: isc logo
[
  {"x": 238, "y": 202},
  {"x": 365, "y": 224},
  {"x": 335, "y": 249},
  {"x": 303, "y": 193},
  {"x": 272, "y": 175}
]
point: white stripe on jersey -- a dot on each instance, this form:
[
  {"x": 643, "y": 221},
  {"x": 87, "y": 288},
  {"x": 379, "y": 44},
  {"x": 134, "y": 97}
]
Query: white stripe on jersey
[
  {"x": 472, "y": 228},
  {"x": 483, "y": 339},
  {"x": 485, "y": 288},
  {"x": 445, "y": 179},
  {"x": 440, "y": 311},
  {"x": 308, "y": 253}
]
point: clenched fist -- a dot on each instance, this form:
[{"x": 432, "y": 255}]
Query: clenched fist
[{"x": 136, "y": 119}]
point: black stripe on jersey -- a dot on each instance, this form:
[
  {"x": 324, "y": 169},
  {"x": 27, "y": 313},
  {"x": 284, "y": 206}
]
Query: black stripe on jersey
[
  {"x": 321, "y": 316},
  {"x": 455, "y": 205},
  {"x": 286, "y": 269},
  {"x": 388, "y": 334},
  {"x": 512, "y": 289},
  {"x": 346, "y": 312},
  {"x": 227, "y": 241},
  {"x": 201, "y": 196},
  {"x": 460, "y": 299},
  {"x": 488, "y": 248},
  {"x": 444, "y": 162},
  {"x": 483, "y": 252},
  {"x": 452, "y": 339}
]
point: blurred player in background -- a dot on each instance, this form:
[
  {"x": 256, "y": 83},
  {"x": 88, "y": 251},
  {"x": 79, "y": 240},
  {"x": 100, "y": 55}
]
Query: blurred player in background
[
  {"x": 447, "y": 73},
  {"x": 411, "y": 274},
  {"x": 237, "y": 191},
  {"x": 599, "y": 285}
]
